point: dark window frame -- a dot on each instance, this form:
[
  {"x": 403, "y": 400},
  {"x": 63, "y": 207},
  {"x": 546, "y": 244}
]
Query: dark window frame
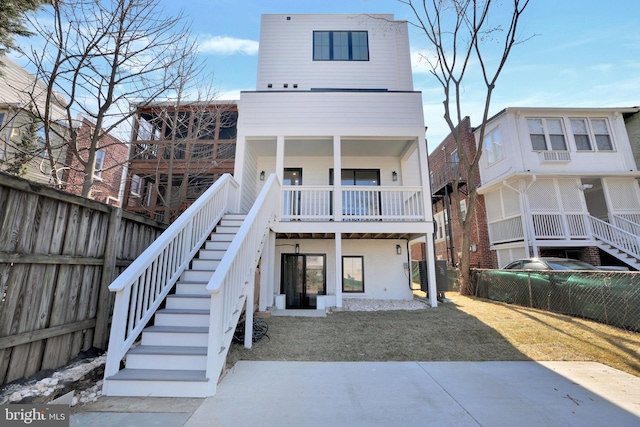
[
  {"x": 361, "y": 257},
  {"x": 332, "y": 55}
]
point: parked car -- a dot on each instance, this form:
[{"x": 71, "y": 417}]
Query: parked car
[{"x": 549, "y": 263}]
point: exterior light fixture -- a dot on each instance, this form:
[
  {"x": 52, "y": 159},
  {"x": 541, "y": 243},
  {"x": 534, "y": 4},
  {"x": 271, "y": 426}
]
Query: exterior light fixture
[
  {"x": 398, "y": 249},
  {"x": 262, "y": 176},
  {"x": 297, "y": 248},
  {"x": 394, "y": 175}
]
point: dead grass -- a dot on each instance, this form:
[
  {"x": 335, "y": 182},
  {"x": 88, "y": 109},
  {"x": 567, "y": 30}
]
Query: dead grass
[{"x": 465, "y": 329}]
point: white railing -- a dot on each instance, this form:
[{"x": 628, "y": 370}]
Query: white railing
[
  {"x": 560, "y": 226},
  {"x": 506, "y": 230},
  {"x": 143, "y": 286},
  {"x": 617, "y": 237},
  {"x": 361, "y": 203},
  {"x": 629, "y": 223},
  {"x": 233, "y": 280},
  {"x": 308, "y": 203}
]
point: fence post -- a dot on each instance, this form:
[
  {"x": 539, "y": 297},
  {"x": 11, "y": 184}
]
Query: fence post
[
  {"x": 530, "y": 292},
  {"x": 108, "y": 274}
]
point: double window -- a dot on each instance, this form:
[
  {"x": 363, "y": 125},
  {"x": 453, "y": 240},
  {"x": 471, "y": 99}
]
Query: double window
[
  {"x": 585, "y": 131},
  {"x": 547, "y": 134},
  {"x": 340, "y": 46}
]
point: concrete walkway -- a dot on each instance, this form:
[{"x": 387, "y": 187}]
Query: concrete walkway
[{"x": 368, "y": 394}]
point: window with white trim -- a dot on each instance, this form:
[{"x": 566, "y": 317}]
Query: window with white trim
[
  {"x": 340, "y": 46},
  {"x": 136, "y": 185},
  {"x": 99, "y": 164},
  {"x": 588, "y": 130},
  {"x": 463, "y": 208},
  {"x": 493, "y": 146},
  {"x": 547, "y": 135}
]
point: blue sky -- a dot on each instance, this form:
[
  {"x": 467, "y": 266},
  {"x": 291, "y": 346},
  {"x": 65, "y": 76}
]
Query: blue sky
[{"x": 586, "y": 53}]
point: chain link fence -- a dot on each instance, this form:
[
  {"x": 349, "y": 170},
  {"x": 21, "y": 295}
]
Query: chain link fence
[{"x": 608, "y": 297}]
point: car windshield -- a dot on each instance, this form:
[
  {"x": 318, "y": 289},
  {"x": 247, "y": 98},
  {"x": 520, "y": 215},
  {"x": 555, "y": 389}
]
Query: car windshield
[{"x": 570, "y": 264}]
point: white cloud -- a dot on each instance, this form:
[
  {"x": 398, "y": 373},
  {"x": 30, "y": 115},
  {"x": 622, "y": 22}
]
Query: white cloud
[{"x": 224, "y": 45}]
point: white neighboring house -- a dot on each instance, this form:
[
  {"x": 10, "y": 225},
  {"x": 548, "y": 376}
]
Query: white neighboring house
[
  {"x": 335, "y": 93},
  {"x": 561, "y": 181}
]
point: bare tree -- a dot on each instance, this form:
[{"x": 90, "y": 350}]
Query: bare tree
[
  {"x": 463, "y": 35},
  {"x": 101, "y": 56}
]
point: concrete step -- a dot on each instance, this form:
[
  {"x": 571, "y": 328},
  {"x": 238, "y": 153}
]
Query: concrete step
[
  {"x": 211, "y": 254},
  {"x": 162, "y": 356},
  {"x": 157, "y": 383},
  {"x": 191, "y": 288},
  {"x": 181, "y": 317},
  {"x": 189, "y": 301},
  {"x": 204, "y": 264},
  {"x": 196, "y": 275},
  {"x": 194, "y": 336}
]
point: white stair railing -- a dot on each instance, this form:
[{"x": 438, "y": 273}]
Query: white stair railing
[
  {"x": 616, "y": 237},
  {"x": 142, "y": 287},
  {"x": 626, "y": 224},
  {"x": 233, "y": 280}
]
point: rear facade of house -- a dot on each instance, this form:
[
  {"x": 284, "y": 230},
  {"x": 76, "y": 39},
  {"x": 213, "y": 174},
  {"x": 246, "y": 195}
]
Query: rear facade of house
[{"x": 330, "y": 184}]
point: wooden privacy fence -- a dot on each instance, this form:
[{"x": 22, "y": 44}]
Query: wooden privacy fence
[{"x": 58, "y": 255}]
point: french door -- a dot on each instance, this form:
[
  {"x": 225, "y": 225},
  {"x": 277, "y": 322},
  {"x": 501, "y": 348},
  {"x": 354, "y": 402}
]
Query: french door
[{"x": 303, "y": 279}]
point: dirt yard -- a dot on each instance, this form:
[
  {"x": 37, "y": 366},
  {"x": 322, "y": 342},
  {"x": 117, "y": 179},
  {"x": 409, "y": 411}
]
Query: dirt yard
[{"x": 464, "y": 329}]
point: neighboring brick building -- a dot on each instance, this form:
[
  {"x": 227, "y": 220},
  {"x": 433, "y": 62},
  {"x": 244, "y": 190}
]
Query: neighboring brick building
[
  {"x": 443, "y": 163},
  {"x": 111, "y": 160},
  {"x": 169, "y": 168}
]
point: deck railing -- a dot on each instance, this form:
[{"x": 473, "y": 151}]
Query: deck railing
[
  {"x": 143, "y": 286},
  {"x": 359, "y": 203},
  {"x": 233, "y": 281},
  {"x": 560, "y": 226}
]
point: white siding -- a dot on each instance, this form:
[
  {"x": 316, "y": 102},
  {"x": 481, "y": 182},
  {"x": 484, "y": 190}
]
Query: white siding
[
  {"x": 331, "y": 113},
  {"x": 384, "y": 273},
  {"x": 286, "y": 54}
]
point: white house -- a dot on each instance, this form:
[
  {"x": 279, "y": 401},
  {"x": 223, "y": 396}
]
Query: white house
[
  {"x": 561, "y": 181},
  {"x": 335, "y": 93},
  {"x": 331, "y": 182}
]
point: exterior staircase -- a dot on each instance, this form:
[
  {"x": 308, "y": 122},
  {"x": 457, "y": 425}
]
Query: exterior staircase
[
  {"x": 177, "y": 305},
  {"x": 172, "y": 355},
  {"x": 621, "y": 241}
]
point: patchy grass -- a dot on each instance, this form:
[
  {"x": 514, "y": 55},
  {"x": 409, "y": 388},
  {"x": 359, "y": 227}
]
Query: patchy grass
[{"x": 465, "y": 329}]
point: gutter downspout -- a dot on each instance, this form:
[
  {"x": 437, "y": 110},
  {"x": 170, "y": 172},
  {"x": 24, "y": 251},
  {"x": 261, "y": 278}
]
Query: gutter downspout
[{"x": 524, "y": 208}]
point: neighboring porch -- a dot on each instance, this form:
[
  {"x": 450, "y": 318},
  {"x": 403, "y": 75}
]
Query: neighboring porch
[{"x": 565, "y": 212}]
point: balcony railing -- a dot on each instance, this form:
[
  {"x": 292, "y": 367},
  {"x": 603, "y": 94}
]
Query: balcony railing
[{"x": 361, "y": 203}]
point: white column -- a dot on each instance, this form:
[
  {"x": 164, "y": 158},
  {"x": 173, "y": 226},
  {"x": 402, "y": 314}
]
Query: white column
[
  {"x": 431, "y": 270},
  {"x": 423, "y": 162},
  {"x": 248, "y": 314},
  {"x": 280, "y": 157},
  {"x": 267, "y": 272},
  {"x": 338, "y": 240},
  {"x": 337, "y": 183}
]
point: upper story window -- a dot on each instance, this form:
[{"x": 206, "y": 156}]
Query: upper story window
[
  {"x": 99, "y": 164},
  {"x": 547, "y": 134},
  {"x": 340, "y": 46},
  {"x": 587, "y": 130},
  {"x": 493, "y": 146}
]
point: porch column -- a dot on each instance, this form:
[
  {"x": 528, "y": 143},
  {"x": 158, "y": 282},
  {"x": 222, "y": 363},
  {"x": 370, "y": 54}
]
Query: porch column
[
  {"x": 423, "y": 163},
  {"x": 238, "y": 167},
  {"x": 338, "y": 240},
  {"x": 266, "y": 273},
  {"x": 337, "y": 184},
  {"x": 431, "y": 270},
  {"x": 280, "y": 157}
]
